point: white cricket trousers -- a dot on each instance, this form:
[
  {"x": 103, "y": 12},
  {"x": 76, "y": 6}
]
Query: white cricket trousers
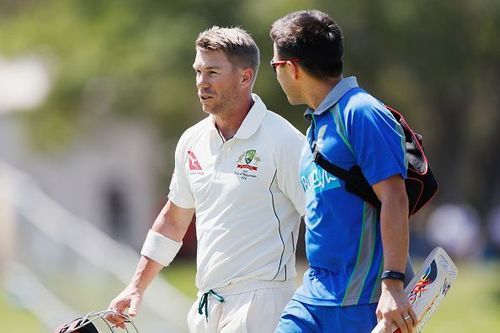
[{"x": 248, "y": 307}]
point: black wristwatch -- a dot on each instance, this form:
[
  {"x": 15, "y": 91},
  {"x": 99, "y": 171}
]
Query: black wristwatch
[{"x": 393, "y": 275}]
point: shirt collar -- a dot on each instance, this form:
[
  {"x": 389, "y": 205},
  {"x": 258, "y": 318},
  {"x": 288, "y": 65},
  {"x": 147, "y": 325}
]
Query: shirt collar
[
  {"x": 253, "y": 119},
  {"x": 334, "y": 95}
]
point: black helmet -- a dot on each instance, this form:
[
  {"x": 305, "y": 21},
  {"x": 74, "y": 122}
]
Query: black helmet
[{"x": 85, "y": 324}]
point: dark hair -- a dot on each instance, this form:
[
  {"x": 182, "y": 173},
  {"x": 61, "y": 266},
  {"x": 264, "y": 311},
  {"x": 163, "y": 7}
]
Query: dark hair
[
  {"x": 239, "y": 47},
  {"x": 313, "y": 37}
]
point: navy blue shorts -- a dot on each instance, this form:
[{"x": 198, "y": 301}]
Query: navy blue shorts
[{"x": 298, "y": 317}]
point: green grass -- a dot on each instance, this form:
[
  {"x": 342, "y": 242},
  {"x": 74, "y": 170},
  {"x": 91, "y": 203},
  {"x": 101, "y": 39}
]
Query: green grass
[
  {"x": 181, "y": 273},
  {"x": 472, "y": 304},
  {"x": 14, "y": 318}
]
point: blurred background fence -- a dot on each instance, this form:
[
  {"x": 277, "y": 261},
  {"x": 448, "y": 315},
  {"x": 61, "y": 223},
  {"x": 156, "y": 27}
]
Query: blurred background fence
[{"x": 59, "y": 266}]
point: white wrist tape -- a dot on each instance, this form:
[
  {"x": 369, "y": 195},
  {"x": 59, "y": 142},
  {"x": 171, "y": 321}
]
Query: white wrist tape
[{"x": 160, "y": 248}]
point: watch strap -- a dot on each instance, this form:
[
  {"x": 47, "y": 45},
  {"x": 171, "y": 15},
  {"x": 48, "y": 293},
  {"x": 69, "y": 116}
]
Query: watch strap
[{"x": 393, "y": 275}]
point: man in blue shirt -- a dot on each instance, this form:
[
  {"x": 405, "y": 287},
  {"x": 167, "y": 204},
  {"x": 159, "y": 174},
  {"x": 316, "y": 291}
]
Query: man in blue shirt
[{"x": 357, "y": 254}]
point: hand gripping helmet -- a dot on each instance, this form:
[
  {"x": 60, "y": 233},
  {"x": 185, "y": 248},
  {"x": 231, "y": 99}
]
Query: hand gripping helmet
[{"x": 94, "y": 320}]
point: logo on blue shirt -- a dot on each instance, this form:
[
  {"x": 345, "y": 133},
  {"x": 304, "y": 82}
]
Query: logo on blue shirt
[{"x": 315, "y": 179}]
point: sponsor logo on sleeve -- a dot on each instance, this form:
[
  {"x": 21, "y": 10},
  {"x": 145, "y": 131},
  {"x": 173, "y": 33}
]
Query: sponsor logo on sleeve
[{"x": 194, "y": 164}]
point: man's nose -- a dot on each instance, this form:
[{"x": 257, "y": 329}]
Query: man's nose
[{"x": 201, "y": 81}]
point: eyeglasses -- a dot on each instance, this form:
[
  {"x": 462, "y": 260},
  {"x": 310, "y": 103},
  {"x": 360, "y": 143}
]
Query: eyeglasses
[{"x": 276, "y": 63}]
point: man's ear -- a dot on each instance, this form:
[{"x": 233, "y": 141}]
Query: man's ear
[
  {"x": 294, "y": 69},
  {"x": 247, "y": 77}
]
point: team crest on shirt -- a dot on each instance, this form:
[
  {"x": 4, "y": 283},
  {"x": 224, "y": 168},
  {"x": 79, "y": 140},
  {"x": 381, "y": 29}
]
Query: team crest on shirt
[{"x": 247, "y": 164}]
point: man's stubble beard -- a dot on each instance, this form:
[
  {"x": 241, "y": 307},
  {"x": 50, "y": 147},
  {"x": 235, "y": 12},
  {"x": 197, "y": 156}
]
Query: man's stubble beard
[{"x": 226, "y": 105}]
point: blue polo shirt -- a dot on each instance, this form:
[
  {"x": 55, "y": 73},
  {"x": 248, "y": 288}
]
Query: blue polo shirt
[{"x": 343, "y": 242}]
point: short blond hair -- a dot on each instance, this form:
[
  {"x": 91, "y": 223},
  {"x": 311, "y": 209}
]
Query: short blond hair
[{"x": 239, "y": 47}]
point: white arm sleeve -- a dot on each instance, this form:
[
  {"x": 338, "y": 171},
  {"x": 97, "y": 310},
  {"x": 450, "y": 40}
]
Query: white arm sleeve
[{"x": 180, "y": 191}]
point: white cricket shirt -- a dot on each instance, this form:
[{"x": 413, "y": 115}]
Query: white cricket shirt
[{"x": 247, "y": 196}]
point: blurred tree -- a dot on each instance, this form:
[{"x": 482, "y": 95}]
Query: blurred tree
[
  {"x": 438, "y": 62},
  {"x": 448, "y": 52}
]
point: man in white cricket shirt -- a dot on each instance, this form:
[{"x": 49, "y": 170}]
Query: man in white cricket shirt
[{"x": 237, "y": 170}]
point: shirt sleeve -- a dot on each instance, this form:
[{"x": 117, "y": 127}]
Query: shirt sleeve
[
  {"x": 378, "y": 142},
  {"x": 287, "y": 163},
  {"x": 180, "y": 191}
]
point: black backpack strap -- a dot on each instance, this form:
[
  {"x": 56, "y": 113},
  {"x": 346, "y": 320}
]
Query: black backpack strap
[
  {"x": 355, "y": 181},
  {"x": 325, "y": 164}
]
